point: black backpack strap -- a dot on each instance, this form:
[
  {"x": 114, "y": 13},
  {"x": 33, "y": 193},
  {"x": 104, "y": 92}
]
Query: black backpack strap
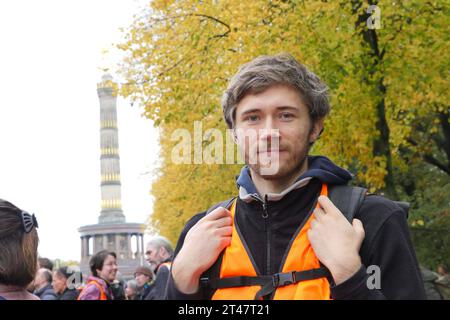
[
  {"x": 347, "y": 199},
  {"x": 268, "y": 283},
  {"x": 405, "y": 207},
  {"x": 224, "y": 204}
]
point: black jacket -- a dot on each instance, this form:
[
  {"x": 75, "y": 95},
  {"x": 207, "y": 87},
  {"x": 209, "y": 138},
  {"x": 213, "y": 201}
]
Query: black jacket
[
  {"x": 387, "y": 242},
  {"x": 144, "y": 291},
  {"x": 69, "y": 294},
  {"x": 46, "y": 293},
  {"x": 158, "y": 287}
]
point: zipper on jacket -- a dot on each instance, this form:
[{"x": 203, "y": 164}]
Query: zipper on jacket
[{"x": 265, "y": 216}]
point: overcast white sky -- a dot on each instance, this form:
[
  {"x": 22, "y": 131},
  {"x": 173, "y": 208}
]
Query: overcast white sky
[{"x": 51, "y": 51}]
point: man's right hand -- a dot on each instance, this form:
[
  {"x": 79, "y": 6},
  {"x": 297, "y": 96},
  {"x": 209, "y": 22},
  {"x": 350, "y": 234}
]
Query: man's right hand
[{"x": 202, "y": 246}]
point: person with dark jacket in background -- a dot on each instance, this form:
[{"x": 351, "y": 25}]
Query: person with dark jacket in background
[
  {"x": 429, "y": 279},
  {"x": 159, "y": 253},
  {"x": 64, "y": 283},
  {"x": 43, "y": 285},
  {"x": 282, "y": 237},
  {"x": 143, "y": 277},
  {"x": 18, "y": 252},
  {"x": 118, "y": 289}
]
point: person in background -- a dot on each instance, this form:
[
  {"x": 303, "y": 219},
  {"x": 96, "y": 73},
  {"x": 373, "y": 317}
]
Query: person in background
[
  {"x": 18, "y": 246},
  {"x": 443, "y": 281},
  {"x": 143, "y": 277},
  {"x": 45, "y": 263},
  {"x": 63, "y": 284},
  {"x": 131, "y": 290},
  {"x": 118, "y": 289},
  {"x": 442, "y": 271},
  {"x": 43, "y": 285},
  {"x": 103, "y": 267},
  {"x": 159, "y": 254},
  {"x": 429, "y": 281}
]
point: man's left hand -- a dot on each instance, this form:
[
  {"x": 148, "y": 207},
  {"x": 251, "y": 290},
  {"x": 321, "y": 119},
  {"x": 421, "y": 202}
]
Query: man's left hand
[{"x": 335, "y": 241}]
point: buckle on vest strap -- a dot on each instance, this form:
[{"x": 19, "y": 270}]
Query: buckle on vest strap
[
  {"x": 204, "y": 282},
  {"x": 283, "y": 279}
]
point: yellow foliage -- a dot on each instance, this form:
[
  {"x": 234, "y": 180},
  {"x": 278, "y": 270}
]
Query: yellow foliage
[{"x": 180, "y": 55}]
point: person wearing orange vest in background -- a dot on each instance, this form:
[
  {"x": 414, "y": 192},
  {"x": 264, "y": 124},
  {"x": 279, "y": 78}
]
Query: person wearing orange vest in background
[
  {"x": 282, "y": 237},
  {"x": 159, "y": 253},
  {"x": 103, "y": 267}
]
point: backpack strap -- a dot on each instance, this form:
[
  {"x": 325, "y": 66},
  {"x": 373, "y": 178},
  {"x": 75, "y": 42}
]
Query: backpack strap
[
  {"x": 347, "y": 199},
  {"x": 224, "y": 204},
  {"x": 405, "y": 206}
]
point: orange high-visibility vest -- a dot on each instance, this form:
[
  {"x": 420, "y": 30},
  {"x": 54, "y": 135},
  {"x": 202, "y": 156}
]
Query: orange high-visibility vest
[
  {"x": 301, "y": 259},
  {"x": 103, "y": 295}
]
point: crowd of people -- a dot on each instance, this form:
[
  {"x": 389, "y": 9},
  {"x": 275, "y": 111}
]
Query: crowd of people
[{"x": 25, "y": 276}]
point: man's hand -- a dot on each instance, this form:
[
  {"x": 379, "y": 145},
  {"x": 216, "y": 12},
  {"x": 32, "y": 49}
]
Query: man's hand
[
  {"x": 202, "y": 246},
  {"x": 335, "y": 241}
]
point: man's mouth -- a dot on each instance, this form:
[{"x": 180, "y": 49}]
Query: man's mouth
[{"x": 271, "y": 151}]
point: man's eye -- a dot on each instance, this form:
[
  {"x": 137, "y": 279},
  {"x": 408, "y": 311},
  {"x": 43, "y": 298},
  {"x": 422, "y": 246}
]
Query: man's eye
[
  {"x": 286, "y": 116},
  {"x": 252, "y": 118}
]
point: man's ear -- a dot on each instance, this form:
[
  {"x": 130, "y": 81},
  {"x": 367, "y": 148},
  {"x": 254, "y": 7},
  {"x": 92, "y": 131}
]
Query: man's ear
[{"x": 316, "y": 130}]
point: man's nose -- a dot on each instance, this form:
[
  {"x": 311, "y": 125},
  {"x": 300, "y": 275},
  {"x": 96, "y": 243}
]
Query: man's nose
[
  {"x": 270, "y": 130},
  {"x": 269, "y": 123}
]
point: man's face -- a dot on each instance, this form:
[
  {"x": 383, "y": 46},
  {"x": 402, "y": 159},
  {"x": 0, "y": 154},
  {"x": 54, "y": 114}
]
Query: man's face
[
  {"x": 59, "y": 283},
  {"x": 153, "y": 256},
  {"x": 109, "y": 270},
  {"x": 141, "y": 279},
  {"x": 40, "y": 280},
  {"x": 280, "y": 128}
]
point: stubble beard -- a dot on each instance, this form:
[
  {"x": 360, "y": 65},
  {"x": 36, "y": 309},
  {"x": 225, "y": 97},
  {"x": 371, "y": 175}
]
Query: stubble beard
[{"x": 287, "y": 170}]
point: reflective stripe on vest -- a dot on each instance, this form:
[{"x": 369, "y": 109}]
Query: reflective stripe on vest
[{"x": 236, "y": 262}]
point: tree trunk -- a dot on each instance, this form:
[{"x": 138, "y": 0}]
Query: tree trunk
[{"x": 381, "y": 146}]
